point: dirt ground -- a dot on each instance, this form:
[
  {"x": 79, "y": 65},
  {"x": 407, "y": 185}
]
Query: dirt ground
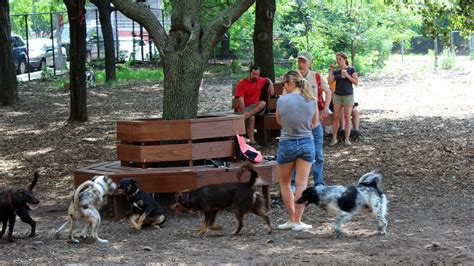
[{"x": 416, "y": 130}]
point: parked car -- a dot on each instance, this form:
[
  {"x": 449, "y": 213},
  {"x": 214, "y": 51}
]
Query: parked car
[
  {"x": 94, "y": 41},
  {"x": 130, "y": 48},
  {"x": 41, "y": 53},
  {"x": 20, "y": 53}
]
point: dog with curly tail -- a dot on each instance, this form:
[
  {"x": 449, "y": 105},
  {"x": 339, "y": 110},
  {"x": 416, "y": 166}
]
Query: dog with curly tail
[
  {"x": 88, "y": 199},
  {"x": 343, "y": 202}
]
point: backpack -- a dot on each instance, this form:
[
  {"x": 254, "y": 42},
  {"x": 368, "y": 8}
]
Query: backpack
[
  {"x": 245, "y": 151},
  {"x": 320, "y": 92}
]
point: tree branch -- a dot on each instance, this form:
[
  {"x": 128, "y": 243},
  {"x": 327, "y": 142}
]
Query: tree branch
[
  {"x": 221, "y": 23},
  {"x": 143, "y": 15}
]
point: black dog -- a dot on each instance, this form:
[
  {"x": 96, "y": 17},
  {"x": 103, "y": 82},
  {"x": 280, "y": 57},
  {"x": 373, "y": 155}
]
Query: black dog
[
  {"x": 354, "y": 135},
  {"x": 17, "y": 202},
  {"x": 145, "y": 210},
  {"x": 214, "y": 198}
]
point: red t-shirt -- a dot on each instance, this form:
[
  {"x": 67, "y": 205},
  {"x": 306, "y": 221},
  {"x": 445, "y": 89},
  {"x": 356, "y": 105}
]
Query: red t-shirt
[{"x": 250, "y": 90}]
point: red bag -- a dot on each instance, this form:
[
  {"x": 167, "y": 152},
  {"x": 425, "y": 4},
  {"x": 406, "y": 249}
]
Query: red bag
[
  {"x": 320, "y": 92},
  {"x": 245, "y": 151}
]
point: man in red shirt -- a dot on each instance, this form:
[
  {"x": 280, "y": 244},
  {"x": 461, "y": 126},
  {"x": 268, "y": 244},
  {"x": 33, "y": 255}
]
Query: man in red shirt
[{"x": 248, "y": 98}]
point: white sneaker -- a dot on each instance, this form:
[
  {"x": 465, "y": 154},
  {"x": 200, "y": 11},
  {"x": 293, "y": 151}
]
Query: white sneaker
[
  {"x": 301, "y": 226},
  {"x": 286, "y": 226},
  {"x": 333, "y": 142}
]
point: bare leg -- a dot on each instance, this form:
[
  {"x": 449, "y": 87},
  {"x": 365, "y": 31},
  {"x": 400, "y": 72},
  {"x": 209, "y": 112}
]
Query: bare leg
[
  {"x": 347, "y": 121},
  {"x": 335, "y": 120},
  {"x": 355, "y": 118},
  {"x": 284, "y": 171},
  {"x": 342, "y": 123},
  {"x": 250, "y": 123},
  {"x": 302, "y": 173}
]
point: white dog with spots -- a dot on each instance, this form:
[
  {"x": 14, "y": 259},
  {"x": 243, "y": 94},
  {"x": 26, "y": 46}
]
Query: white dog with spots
[
  {"x": 344, "y": 202},
  {"x": 88, "y": 199}
]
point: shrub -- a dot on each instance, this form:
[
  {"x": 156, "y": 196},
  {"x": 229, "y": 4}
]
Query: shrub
[{"x": 447, "y": 59}]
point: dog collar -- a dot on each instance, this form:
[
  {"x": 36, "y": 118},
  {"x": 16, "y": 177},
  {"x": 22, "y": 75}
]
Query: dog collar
[{"x": 134, "y": 193}]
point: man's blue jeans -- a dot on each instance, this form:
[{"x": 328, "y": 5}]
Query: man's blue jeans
[{"x": 318, "y": 164}]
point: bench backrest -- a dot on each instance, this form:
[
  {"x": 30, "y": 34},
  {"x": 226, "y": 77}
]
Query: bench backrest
[{"x": 148, "y": 141}]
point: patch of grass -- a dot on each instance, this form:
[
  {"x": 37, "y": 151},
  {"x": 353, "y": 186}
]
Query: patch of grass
[{"x": 126, "y": 74}]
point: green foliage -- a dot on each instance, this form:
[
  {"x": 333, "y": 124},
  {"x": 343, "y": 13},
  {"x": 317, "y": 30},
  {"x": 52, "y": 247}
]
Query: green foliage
[
  {"x": 126, "y": 74},
  {"x": 324, "y": 28},
  {"x": 47, "y": 74},
  {"x": 236, "y": 67},
  {"x": 447, "y": 59},
  {"x": 38, "y": 16}
]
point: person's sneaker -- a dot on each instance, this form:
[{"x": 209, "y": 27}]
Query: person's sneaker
[
  {"x": 301, "y": 226},
  {"x": 347, "y": 143},
  {"x": 333, "y": 142},
  {"x": 286, "y": 226}
]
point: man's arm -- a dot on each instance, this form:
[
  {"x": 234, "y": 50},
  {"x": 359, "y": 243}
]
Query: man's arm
[
  {"x": 278, "y": 117},
  {"x": 239, "y": 94},
  {"x": 328, "y": 97},
  {"x": 241, "y": 104},
  {"x": 315, "y": 119},
  {"x": 271, "y": 89}
]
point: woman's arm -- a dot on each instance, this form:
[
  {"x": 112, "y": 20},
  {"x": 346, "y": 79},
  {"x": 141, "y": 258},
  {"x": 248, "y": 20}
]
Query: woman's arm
[
  {"x": 331, "y": 74},
  {"x": 353, "y": 78}
]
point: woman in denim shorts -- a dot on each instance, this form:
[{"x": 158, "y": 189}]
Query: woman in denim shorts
[
  {"x": 345, "y": 76},
  {"x": 297, "y": 114}
]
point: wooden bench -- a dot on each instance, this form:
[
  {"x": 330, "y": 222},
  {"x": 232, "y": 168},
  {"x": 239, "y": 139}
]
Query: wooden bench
[
  {"x": 170, "y": 156},
  {"x": 266, "y": 124}
]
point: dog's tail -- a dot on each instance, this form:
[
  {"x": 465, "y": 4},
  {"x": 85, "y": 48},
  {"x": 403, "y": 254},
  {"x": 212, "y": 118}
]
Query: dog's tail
[
  {"x": 81, "y": 188},
  {"x": 371, "y": 179},
  {"x": 253, "y": 174},
  {"x": 33, "y": 183}
]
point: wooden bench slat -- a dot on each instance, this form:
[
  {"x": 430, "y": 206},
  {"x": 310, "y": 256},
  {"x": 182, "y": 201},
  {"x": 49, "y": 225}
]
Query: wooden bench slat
[
  {"x": 176, "y": 152},
  {"x": 172, "y": 179},
  {"x": 148, "y": 130}
]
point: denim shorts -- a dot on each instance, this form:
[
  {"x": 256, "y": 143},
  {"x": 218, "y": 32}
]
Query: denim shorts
[{"x": 291, "y": 149}]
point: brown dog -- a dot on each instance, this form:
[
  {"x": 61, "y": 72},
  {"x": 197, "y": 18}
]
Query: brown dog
[
  {"x": 17, "y": 201},
  {"x": 214, "y": 198}
]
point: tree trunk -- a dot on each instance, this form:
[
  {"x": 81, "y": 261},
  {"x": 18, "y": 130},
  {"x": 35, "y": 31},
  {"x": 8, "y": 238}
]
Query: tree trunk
[
  {"x": 263, "y": 37},
  {"x": 107, "y": 31},
  {"x": 77, "y": 76},
  {"x": 185, "y": 50},
  {"x": 8, "y": 82},
  {"x": 183, "y": 72},
  {"x": 225, "y": 47}
]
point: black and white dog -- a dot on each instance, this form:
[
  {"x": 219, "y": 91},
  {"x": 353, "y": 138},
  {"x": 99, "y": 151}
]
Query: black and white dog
[
  {"x": 344, "y": 202},
  {"x": 89, "y": 197}
]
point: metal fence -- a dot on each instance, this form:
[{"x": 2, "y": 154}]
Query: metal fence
[{"x": 37, "y": 37}]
